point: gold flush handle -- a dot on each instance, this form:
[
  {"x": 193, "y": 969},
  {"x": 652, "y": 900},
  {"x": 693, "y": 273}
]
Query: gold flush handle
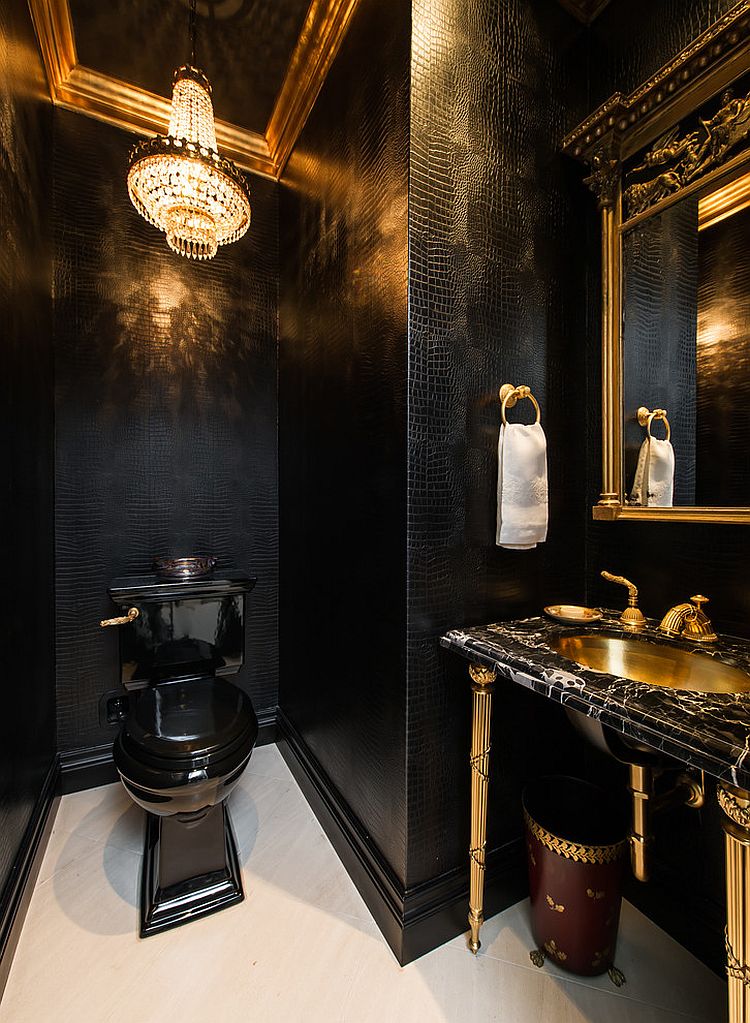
[{"x": 131, "y": 616}]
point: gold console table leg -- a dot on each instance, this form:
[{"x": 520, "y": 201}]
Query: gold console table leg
[
  {"x": 482, "y": 680},
  {"x": 736, "y": 806}
]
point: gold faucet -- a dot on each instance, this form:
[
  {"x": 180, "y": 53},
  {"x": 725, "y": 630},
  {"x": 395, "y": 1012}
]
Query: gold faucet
[
  {"x": 632, "y": 618},
  {"x": 689, "y": 621}
]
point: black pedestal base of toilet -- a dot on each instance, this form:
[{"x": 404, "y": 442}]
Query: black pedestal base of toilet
[{"x": 190, "y": 869}]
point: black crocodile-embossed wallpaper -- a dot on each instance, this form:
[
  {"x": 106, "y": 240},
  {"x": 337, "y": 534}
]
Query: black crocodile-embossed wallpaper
[
  {"x": 496, "y": 295},
  {"x": 342, "y": 392},
  {"x": 27, "y": 722},
  {"x": 660, "y": 316},
  {"x": 166, "y": 411},
  {"x": 492, "y": 297}
]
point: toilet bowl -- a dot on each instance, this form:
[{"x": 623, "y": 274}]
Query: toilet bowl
[
  {"x": 184, "y": 745},
  {"x": 187, "y": 738}
]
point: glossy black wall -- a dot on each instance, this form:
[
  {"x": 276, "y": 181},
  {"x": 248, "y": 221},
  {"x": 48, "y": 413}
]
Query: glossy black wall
[
  {"x": 496, "y": 294},
  {"x": 27, "y": 723},
  {"x": 491, "y": 298},
  {"x": 165, "y": 382},
  {"x": 629, "y": 42},
  {"x": 342, "y": 387}
]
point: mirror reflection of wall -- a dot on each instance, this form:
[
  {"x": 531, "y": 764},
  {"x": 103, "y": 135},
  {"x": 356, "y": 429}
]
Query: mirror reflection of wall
[
  {"x": 660, "y": 314},
  {"x": 723, "y": 361},
  {"x": 686, "y": 343}
]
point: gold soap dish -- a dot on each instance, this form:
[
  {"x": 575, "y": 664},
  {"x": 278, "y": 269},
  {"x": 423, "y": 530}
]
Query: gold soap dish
[{"x": 572, "y": 614}]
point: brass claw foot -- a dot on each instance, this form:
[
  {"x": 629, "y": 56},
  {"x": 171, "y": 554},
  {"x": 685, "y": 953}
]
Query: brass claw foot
[
  {"x": 616, "y": 976},
  {"x": 537, "y": 956}
]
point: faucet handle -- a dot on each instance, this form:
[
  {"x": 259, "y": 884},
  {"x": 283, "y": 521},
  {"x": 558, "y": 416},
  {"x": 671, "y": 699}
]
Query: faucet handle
[
  {"x": 698, "y": 627},
  {"x": 622, "y": 581},
  {"x": 632, "y": 618}
]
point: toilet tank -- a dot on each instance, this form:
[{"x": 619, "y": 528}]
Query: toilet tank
[{"x": 185, "y": 628}]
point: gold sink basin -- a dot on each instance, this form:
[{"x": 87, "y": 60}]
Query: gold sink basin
[{"x": 646, "y": 662}]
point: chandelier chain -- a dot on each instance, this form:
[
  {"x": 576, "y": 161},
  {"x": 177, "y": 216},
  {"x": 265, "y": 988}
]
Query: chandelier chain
[{"x": 192, "y": 32}]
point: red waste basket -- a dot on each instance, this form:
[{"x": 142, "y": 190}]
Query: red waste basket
[{"x": 575, "y": 842}]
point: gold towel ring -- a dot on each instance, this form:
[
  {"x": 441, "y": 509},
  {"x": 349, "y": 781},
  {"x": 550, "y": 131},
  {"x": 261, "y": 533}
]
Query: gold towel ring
[
  {"x": 647, "y": 416},
  {"x": 509, "y": 395}
]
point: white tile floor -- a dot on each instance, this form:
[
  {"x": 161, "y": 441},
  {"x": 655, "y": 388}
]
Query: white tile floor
[{"x": 302, "y": 947}]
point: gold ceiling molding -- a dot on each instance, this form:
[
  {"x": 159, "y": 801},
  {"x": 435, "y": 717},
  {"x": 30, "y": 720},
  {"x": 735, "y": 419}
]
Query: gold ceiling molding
[
  {"x": 321, "y": 36},
  {"x": 76, "y": 87}
]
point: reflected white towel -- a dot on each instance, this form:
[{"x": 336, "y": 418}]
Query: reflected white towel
[
  {"x": 521, "y": 486},
  {"x": 653, "y": 486}
]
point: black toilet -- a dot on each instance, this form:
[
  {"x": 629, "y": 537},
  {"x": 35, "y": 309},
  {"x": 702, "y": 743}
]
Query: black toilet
[{"x": 187, "y": 737}]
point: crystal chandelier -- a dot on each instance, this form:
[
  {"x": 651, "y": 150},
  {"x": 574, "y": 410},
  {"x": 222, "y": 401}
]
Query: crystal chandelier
[{"x": 180, "y": 183}]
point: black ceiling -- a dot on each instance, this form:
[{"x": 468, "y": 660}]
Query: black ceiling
[
  {"x": 585, "y": 10},
  {"x": 244, "y": 47}
]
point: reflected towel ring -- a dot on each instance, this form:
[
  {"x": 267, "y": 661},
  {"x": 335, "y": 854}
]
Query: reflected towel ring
[
  {"x": 509, "y": 395},
  {"x": 647, "y": 416}
]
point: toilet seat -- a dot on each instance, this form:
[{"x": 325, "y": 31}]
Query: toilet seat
[{"x": 185, "y": 732}]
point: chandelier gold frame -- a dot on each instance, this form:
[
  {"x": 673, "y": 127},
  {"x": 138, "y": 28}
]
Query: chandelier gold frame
[{"x": 74, "y": 86}]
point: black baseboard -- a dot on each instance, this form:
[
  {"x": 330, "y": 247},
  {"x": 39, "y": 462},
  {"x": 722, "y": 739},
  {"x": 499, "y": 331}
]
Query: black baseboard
[
  {"x": 437, "y": 911},
  {"x": 92, "y": 766},
  {"x": 86, "y": 768},
  {"x": 267, "y": 728},
  {"x": 414, "y": 920},
  {"x": 18, "y": 891}
]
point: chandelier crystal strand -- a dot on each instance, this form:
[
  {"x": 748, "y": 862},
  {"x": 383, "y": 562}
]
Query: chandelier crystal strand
[{"x": 180, "y": 183}]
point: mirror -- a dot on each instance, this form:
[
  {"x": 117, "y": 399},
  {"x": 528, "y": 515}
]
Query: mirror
[
  {"x": 686, "y": 351},
  {"x": 670, "y": 166}
]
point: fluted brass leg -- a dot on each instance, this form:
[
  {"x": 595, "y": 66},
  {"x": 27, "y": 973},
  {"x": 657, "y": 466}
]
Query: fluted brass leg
[
  {"x": 736, "y": 805},
  {"x": 482, "y": 680}
]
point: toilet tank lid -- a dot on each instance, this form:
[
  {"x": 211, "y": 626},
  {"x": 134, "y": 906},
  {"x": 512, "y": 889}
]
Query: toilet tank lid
[{"x": 223, "y": 582}]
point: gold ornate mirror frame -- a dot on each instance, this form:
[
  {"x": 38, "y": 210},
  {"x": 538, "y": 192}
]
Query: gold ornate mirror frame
[{"x": 682, "y": 163}]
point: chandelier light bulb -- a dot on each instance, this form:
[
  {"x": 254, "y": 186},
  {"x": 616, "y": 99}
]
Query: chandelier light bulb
[{"x": 181, "y": 184}]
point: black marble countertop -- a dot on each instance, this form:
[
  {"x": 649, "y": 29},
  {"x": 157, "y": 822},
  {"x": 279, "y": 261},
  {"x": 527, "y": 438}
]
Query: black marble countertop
[{"x": 708, "y": 731}]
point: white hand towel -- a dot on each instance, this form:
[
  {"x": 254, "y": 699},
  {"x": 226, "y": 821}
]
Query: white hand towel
[
  {"x": 653, "y": 485},
  {"x": 521, "y": 486}
]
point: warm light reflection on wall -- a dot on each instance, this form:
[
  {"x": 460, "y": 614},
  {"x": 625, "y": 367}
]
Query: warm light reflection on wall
[
  {"x": 723, "y": 356},
  {"x": 169, "y": 323},
  {"x": 720, "y": 321},
  {"x": 336, "y": 188},
  {"x": 22, "y": 71}
]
